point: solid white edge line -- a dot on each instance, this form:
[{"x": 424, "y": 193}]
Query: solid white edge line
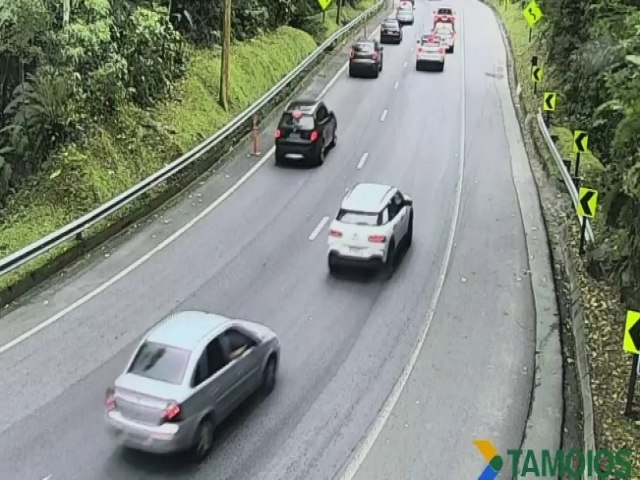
[
  {"x": 384, "y": 115},
  {"x": 364, "y": 447},
  {"x": 363, "y": 160},
  {"x": 84, "y": 299},
  {"x": 318, "y": 229}
]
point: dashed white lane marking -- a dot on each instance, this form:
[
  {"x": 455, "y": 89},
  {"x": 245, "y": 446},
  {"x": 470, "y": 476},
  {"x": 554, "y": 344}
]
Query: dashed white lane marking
[
  {"x": 384, "y": 115},
  {"x": 395, "y": 87},
  {"x": 363, "y": 160},
  {"x": 364, "y": 447},
  {"x": 405, "y": 64},
  {"x": 48, "y": 477},
  {"x": 318, "y": 229}
]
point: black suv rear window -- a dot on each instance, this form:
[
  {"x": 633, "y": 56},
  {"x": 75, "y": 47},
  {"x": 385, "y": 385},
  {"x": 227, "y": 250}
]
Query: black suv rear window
[
  {"x": 445, "y": 11},
  {"x": 304, "y": 122},
  {"x": 363, "y": 47},
  {"x": 390, "y": 24}
]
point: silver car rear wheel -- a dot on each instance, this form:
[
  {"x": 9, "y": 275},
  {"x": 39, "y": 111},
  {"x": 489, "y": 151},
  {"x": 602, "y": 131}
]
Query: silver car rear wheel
[
  {"x": 203, "y": 439},
  {"x": 269, "y": 377}
]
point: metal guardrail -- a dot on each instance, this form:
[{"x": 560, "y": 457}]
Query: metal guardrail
[
  {"x": 566, "y": 176},
  {"x": 80, "y": 225}
]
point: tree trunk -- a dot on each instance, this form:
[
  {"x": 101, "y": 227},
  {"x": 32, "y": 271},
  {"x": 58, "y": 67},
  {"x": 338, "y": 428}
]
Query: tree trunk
[
  {"x": 66, "y": 12},
  {"x": 338, "y": 13},
  {"x": 226, "y": 56}
]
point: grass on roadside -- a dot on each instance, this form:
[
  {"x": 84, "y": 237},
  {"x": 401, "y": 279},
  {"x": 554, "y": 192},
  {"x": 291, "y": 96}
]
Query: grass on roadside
[
  {"x": 609, "y": 365},
  {"x": 137, "y": 142},
  {"x": 518, "y": 29}
]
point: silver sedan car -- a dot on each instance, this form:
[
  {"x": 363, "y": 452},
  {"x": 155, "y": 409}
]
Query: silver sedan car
[
  {"x": 404, "y": 15},
  {"x": 188, "y": 373}
]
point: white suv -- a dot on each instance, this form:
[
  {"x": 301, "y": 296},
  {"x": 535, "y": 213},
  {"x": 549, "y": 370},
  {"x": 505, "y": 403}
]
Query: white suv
[{"x": 373, "y": 222}]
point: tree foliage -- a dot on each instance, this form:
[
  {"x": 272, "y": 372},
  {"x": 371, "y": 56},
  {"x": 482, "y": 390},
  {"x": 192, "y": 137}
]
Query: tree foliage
[
  {"x": 58, "y": 81},
  {"x": 595, "y": 50}
]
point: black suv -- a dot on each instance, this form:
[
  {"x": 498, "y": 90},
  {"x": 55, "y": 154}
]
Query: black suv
[
  {"x": 390, "y": 31},
  {"x": 365, "y": 58},
  {"x": 307, "y": 129}
]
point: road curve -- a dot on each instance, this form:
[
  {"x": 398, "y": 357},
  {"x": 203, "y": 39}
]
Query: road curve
[{"x": 345, "y": 342}]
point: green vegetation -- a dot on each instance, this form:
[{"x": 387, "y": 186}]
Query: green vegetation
[
  {"x": 90, "y": 115},
  {"x": 588, "y": 52},
  {"x": 323, "y": 26}
]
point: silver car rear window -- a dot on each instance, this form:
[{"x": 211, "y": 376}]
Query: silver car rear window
[
  {"x": 357, "y": 218},
  {"x": 160, "y": 362}
]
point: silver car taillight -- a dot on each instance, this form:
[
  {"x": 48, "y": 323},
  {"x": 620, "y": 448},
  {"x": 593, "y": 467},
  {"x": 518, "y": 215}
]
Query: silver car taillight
[{"x": 110, "y": 400}]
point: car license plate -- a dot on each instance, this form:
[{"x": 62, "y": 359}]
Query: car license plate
[
  {"x": 357, "y": 251},
  {"x": 294, "y": 136}
]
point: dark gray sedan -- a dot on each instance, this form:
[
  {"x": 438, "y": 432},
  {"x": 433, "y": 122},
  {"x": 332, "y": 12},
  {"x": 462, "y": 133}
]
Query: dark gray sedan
[
  {"x": 188, "y": 373},
  {"x": 390, "y": 31},
  {"x": 366, "y": 58}
]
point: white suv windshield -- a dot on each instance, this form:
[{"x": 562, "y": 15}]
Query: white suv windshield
[{"x": 358, "y": 218}]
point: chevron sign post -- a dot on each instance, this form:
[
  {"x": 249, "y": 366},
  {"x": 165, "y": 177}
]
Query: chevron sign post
[{"x": 580, "y": 145}]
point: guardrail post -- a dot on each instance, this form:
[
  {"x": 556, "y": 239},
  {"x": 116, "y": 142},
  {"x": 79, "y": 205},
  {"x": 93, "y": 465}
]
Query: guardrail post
[
  {"x": 80, "y": 236},
  {"x": 256, "y": 136},
  {"x": 567, "y": 164}
]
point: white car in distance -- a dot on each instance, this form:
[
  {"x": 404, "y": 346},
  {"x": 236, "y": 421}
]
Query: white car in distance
[
  {"x": 430, "y": 54},
  {"x": 373, "y": 223},
  {"x": 447, "y": 35}
]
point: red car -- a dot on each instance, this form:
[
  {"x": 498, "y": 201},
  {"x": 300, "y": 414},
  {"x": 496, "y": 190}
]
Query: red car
[{"x": 444, "y": 15}]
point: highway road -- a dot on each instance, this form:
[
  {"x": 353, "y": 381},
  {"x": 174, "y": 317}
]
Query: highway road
[{"x": 261, "y": 255}]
